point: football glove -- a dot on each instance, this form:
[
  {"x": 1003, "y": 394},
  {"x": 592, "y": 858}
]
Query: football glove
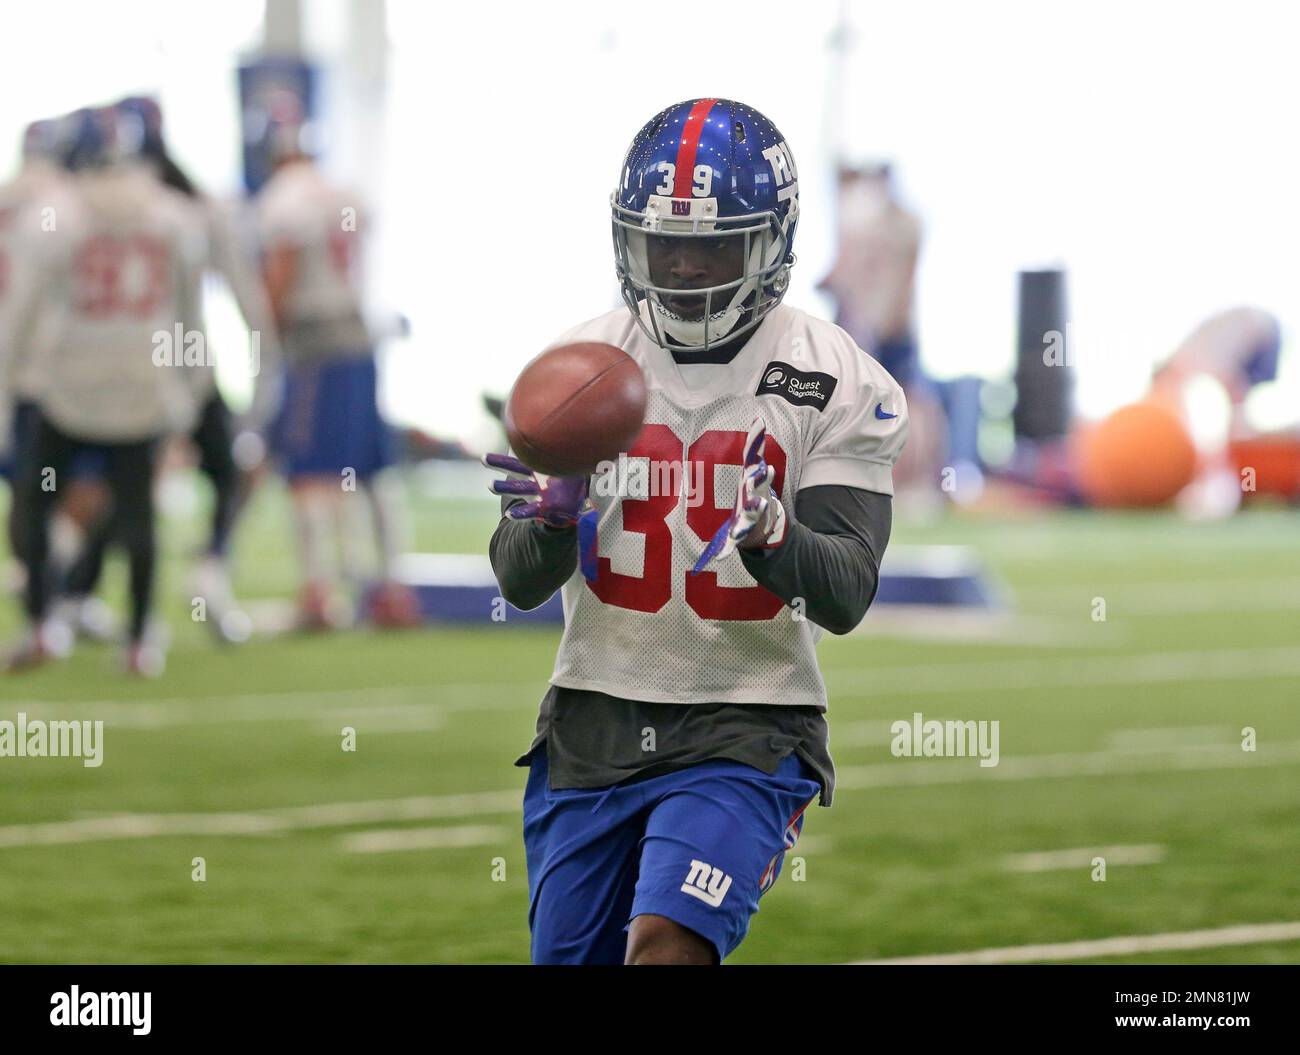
[
  {"x": 758, "y": 515},
  {"x": 558, "y": 501}
]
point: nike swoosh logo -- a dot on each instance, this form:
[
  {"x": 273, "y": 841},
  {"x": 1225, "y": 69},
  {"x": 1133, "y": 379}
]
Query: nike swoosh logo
[{"x": 880, "y": 413}]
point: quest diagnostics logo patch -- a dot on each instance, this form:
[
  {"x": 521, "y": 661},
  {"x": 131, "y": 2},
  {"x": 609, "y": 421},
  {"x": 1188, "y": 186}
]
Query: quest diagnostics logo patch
[{"x": 803, "y": 388}]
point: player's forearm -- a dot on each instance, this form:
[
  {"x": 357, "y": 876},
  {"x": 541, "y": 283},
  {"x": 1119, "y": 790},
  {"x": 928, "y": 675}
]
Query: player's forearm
[
  {"x": 531, "y": 560},
  {"x": 829, "y": 578},
  {"x": 830, "y": 559},
  {"x": 279, "y": 276}
]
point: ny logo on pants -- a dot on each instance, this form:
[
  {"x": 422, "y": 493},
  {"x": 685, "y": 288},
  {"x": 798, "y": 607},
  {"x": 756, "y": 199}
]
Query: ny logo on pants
[{"x": 707, "y": 883}]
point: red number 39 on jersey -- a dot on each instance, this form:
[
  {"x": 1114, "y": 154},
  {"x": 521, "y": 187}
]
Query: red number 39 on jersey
[{"x": 649, "y": 516}]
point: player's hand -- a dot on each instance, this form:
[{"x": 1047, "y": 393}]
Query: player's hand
[
  {"x": 558, "y": 501},
  {"x": 554, "y": 500},
  {"x": 758, "y": 518}
]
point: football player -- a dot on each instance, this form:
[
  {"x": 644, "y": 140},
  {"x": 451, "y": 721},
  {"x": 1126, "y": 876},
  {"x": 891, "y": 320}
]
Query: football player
[
  {"x": 873, "y": 282},
  {"x": 30, "y": 205},
  {"x": 683, "y": 735},
  {"x": 1239, "y": 348},
  {"x": 116, "y": 270},
  {"x": 25, "y": 200},
  {"x": 329, "y": 436},
  {"x": 213, "y": 433}
]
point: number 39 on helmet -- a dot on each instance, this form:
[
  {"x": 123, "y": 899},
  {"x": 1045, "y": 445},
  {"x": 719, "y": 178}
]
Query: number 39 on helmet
[{"x": 714, "y": 170}]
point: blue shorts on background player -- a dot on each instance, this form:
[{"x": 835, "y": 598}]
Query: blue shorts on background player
[
  {"x": 1262, "y": 365},
  {"x": 329, "y": 420},
  {"x": 698, "y": 846}
]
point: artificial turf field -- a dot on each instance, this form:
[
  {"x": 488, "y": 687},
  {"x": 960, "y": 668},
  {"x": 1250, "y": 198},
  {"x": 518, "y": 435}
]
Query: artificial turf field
[{"x": 1123, "y": 734}]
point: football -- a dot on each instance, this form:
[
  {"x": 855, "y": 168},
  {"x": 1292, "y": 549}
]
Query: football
[{"x": 575, "y": 406}]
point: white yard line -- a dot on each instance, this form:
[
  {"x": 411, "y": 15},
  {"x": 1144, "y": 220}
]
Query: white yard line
[
  {"x": 901, "y": 772},
  {"x": 467, "y": 694},
  {"x": 865, "y": 733},
  {"x": 1224, "y": 664},
  {"x": 981, "y": 626},
  {"x": 896, "y": 773},
  {"x": 914, "y": 772},
  {"x": 1172, "y": 736},
  {"x": 261, "y": 822},
  {"x": 1133, "y": 945},
  {"x": 386, "y": 840},
  {"x": 1193, "y": 597},
  {"x": 811, "y": 844},
  {"x": 288, "y": 706},
  {"x": 1231, "y": 664},
  {"x": 874, "y": 733},
  {"x": 371, "y": 718},
  {"x": 394, "y": 718},
  {"x": 1082, "y": 857}
]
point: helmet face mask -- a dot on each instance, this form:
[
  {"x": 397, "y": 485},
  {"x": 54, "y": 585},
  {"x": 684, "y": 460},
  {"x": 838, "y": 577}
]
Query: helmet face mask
[
  {"x": 707, "y": 267},
  {"x": 702, "y": 281}
]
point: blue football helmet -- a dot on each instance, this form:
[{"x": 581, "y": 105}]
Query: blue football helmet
[
  {"x": 92, "y": 138},
  {"x": 718, "y": 172}
]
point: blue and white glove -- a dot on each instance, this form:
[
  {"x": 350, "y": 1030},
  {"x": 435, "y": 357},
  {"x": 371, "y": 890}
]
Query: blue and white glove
[
  {"x": 758, "y": 518},
  {"x": 558, "y": 501}
]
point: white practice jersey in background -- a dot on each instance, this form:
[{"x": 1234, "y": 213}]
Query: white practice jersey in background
[
  {"x": 116, "y": 277},
  {"x": 649, "y": 630},
  {"x": 299, "y": 208},
  {"x": 29, "y": 205}
]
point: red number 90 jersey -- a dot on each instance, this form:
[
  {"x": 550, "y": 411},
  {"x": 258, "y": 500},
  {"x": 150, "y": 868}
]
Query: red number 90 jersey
[{"x": 646, "y": 628}]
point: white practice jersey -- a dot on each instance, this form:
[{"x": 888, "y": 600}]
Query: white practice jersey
[
  {"x": 29, "y": 206},
  {"x": 299, "y": 208},
  {"x": 647, "y": 629},
  {"x": 116, "y": 273}
]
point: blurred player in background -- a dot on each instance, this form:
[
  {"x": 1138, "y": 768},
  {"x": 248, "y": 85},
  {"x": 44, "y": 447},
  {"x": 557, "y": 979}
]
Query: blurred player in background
[
  {"x": 696, "y": 611},
  {"x": 873, "y": 282},
  {"x": 117, "y": 272},
  {"x": 1239, "y": 348},
  {"x": 329, "y": 437},
  {"x": 30, "y": 206},
  {"x": 874, "y": 273},
  {"x": 29, "y": 209},
  {"x": 38, "y": 185},
  {"x": 213, "y": 433}
]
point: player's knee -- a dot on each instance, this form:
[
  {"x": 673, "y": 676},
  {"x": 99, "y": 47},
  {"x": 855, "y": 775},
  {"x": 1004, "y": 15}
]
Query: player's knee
[{"x": 658, "y": 940}]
